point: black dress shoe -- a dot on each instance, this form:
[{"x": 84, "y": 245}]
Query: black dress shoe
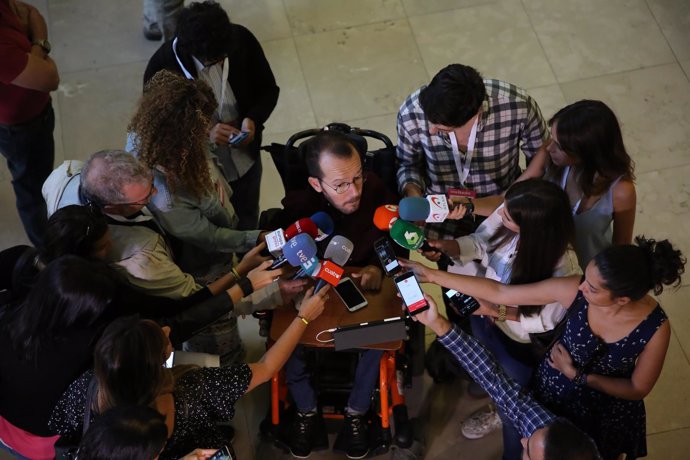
[
  {"x": 353, "y": 438},
  {"x": 153, "y": 32}
]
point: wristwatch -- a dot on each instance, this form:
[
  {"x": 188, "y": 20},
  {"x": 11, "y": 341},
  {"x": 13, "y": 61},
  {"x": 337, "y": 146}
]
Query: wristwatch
[
  {"x": 502, "y": 310},
  {"x": 45, "y": 44}
]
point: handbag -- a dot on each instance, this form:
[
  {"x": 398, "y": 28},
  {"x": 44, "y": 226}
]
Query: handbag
[
  {"x": 542, "y": 342},
  {"x": 68, "y": 450}
]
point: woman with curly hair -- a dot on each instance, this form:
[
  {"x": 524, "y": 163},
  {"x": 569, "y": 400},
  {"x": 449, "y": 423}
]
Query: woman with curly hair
[{"x": 169, "y": 132}]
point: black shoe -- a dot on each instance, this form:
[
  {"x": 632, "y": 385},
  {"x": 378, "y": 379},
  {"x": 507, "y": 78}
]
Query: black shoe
[
  {"x": 306, "y": 434},
  {"x": 153, "y": 32},
  {"x": 353, "y": 438}
]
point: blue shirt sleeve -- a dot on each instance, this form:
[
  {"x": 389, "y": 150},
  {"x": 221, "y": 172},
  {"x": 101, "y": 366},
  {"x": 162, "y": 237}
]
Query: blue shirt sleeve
[{"x": 520, "y": 407}]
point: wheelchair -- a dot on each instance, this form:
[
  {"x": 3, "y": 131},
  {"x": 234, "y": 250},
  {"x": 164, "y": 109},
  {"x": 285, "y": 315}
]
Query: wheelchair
[{"x": 333, "y": 381}]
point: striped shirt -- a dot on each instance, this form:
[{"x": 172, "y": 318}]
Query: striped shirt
[
  {"x": 520, "y": 407},
  {"x": 510, "y": 119}
]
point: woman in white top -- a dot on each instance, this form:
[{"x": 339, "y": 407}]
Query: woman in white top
[
  {"x": 527, "y": 239},
  {"x": 589, "y": 162}
]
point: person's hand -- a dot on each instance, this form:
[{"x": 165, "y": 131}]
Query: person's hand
[
  {"x": 249, "y": 128},
  {"x": 289, "y": 289},
  {"x": 200, "y": 454},
  {"x": 422, "y": 272},
  {"x": 222, "y": 132},
  {"x": 431, "y": 318},
  {"x": 449, "y": 247},
  {"x": 370, "y": 277},
  {"x": 431, "y": 256},
  {"x": 560, "y": 359},
  {"x": 313, "y": 304},
  {"x": 261, "y": 277},
  {"x": 486, "y": 309},
  {"x": 458, "y": 210},
  {"x": 252, "y": 259}
]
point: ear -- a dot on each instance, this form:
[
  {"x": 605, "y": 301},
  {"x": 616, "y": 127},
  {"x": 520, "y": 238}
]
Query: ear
[
  {"x": 623, "y": 300},
  {"x": 315, "y": 184}
]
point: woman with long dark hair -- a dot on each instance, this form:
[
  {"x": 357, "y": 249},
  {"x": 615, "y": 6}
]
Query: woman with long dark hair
[
  {"x": 527, "y": 239},
  {"x": 128, "y": 368},
  {"x": 615, "y": 340},
  {"x": 589, "y": 161}
]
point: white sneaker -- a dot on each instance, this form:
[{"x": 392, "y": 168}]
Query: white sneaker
[{"x": 481, "y": 423}]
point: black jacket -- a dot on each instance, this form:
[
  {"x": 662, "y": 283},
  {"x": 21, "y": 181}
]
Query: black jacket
[{"x": 250, "y": 75}]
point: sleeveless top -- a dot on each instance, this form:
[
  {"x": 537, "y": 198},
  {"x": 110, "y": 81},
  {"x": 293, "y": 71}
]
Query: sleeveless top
[
  {"x": 616, "y": 425},
  {"x": 593, "y": 229}
]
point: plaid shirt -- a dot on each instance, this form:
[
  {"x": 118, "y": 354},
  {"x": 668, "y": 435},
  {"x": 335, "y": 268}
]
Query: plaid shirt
[
  {"x": 510, "y": 119},
  {"x": 521, "y": 408}
]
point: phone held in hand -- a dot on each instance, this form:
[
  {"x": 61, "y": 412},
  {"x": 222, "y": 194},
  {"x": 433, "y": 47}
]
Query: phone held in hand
[
  {"x": 237, "y": 138},
  {"x": 224, "y": 453},
  {"x": 411, "y": 293},
  {"x": 389, "y": 262},
  {"x": 463, "y": 304},
  {"x": 350, "y": 295}
]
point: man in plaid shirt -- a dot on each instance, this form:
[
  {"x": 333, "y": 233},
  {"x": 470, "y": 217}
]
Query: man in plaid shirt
[{"x": 462, "y": 132}]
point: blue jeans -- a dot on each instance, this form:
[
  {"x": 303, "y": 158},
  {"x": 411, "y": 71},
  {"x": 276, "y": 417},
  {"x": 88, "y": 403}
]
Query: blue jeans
[
  {"x": 302, "y": 392},
  {"x": 30, "y": 151},
  {"x": 495, "y": 341}
]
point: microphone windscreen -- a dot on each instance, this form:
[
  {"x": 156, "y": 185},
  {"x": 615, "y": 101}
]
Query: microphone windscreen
[
  {"x": 339, "y": 250},
  {"x": 385, "y": 216},
  {"x": 310, "y": 268},
  {"x": 414, "y": 208},
  {"x": 324, "y": 222},
  {"x": 299, "y": 249},
  {"x": 407, "y": 235},
  {"x": 304, "y": 225}
]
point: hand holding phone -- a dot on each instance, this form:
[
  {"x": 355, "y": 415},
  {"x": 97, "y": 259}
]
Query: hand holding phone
[
  {"x": 389, "y": 261},
  {"x": 463, "y": 304},
  {"x": 411, "y": 293}
]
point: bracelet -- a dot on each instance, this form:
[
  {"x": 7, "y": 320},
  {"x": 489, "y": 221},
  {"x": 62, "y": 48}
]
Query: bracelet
[
  {"x": 234, "y": 272},
  {"x": 502, "y": 310},
  {"x": 245, "y": 285},
  {"x": 580, "y": 378},
  {"x": 304, "y": 320}
]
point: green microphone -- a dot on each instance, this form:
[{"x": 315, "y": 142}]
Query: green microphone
[{"x": 412, "y": 237}]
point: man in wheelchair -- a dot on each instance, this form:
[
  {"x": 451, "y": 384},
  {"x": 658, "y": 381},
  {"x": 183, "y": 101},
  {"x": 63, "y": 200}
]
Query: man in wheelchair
[{"x": 339, "y": 186}]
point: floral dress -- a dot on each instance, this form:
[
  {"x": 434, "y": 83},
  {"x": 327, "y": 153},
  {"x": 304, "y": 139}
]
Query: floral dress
[{"x": 616, "y": 425}]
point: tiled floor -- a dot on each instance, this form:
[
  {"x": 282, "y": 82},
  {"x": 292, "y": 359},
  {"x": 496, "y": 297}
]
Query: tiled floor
[{"x": 356, "y": 60}]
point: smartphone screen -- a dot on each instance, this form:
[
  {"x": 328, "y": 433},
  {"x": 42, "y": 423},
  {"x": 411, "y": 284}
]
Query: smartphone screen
[
  {"x": 384, "y": 250},
  {"x": 350, "y": 295},
  {"x": 411, "y": 293},
  {"x": 224, "y": 453}
]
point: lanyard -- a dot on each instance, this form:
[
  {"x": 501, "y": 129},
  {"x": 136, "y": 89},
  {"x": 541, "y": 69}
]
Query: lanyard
[
  {"x": 224, "y": 77},
  {"x": 464, "y": 167}
]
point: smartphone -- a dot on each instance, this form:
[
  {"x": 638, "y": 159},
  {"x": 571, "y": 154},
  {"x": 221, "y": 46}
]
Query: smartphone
[
  {"x": 389, "y": 262},
  {"x": 411, "y": 293},
  {"x": 237, "y": 138},
  {"x": 224, "y": 453},
  {"x": 463, "y": 304},
  {"x": 350, "y": 295},
  {"x": 169, "y": 363}
]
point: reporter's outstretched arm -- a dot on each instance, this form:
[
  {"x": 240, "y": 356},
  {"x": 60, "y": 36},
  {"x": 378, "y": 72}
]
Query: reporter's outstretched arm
[{"x": 276, "y": 356}]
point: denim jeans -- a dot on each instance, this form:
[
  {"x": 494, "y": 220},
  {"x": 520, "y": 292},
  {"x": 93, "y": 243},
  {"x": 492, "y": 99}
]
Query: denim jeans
[
  {"x": 302, "y": 391},
  {"x": 490, "y": 336},
  {"x": 30, "y": 151}
]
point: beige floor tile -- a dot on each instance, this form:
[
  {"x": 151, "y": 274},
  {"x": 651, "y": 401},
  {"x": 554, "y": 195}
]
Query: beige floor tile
[
  {"x": 674, "y": 18},
  {"x": 662, "y": 211},
  {"x": 675, "y": 303},
  {"x": 652, "y": 106},
  {"x": 97, "y": 33},
  {"x": 668, "y": 405},
  {"x": 497, "y": 41},
  {"x": 293, "y": 112},
  {"x": 96, "y": 106},
  {"x": 579, "y": 37},
  {"x": 421, "y": 7},
  {"x": 671, "y": 445},
  {"x": 349, "y": 79},
  {"x": 686, "y": 67},
  {"x": 57, "y": 132},
  {"x": 550, "y": 99},
  {"x": 312, "y": 16},
  {"x": 265, "y": 18}
]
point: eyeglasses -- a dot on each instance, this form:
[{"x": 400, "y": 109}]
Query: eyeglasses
[
  {"x": 144, "y": 201},
  {"x": 344, "y": 186}
]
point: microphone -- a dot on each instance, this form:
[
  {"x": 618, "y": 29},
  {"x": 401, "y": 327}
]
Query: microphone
[
  {"x": 336, "y": 254},
  {"x": 304, "y": 225},
  {"x": 412, "y": 237},
  {"x": 299, "y": 249},
  {"x": 325, "y": 225},
  {"x": 414, "y": 209},
  {"x": 385, "y": 216},
  {"x": 308, "y": 268}
]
